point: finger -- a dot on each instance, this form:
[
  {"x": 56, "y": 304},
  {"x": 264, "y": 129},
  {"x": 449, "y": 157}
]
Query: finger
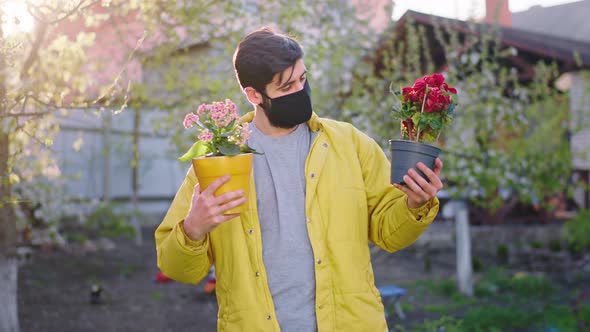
[
  {"x": 426, "y": 187},
  {"x": 402, "y": 188},
  {"x": 212, "y": 188},
  {"x": 438, "y": 165},
  {"x": 221, "y": 209},
  {"x": 415, "y": 188},
  {"x": 196, "y": 192},
  {"x": 229, "y": 196},
  {"x": 432, "y": 176},
  {"x": 227, "y": 217}
]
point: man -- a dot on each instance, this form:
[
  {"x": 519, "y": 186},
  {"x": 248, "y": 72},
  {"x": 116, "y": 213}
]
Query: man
[{"x": 298, "y": 260}]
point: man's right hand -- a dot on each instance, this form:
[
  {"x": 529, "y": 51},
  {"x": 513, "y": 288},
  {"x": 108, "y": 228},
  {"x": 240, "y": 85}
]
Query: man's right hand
[{"x": 207, "y": 210}]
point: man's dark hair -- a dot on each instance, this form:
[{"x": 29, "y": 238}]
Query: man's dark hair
[{"x": 261, "y": 55}]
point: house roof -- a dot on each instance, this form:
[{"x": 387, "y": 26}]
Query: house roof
[
  {"x": 568, "y": 20},
  {"x": 560, "y": 49}
]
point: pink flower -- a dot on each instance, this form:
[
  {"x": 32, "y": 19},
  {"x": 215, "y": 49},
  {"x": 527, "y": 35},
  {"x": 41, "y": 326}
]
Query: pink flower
[
  {"x": 206, "y": 136},
  {"x": 202, "y": 108},
  {"x": 190, "y": 120},
  {"x": 232, "y": 109},
  {"x": 244, "y": 134}
]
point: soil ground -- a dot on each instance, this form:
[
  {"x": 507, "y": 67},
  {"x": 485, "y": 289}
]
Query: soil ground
[{"x": 55, "y": 286}]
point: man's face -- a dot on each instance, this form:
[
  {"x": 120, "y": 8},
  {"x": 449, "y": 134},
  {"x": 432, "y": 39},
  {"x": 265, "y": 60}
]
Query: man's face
[{"x": 288, "y": 81}]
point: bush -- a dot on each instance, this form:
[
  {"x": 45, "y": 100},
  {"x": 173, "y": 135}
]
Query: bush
[
  {"x": 107, "y": 222},
  {"x": 498, "y": 318},
  {"x": 445, "y": 287},
  {"x": 554, "y": 245},
  {"x": 502, "y": 253},
  {"x": 477, "y": 264},
  {"x": 578, "y": 231},
  {"x": 521, "y": 284}
]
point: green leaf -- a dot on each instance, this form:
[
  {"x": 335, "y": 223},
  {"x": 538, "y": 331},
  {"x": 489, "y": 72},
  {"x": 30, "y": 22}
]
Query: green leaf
[
  {"x": 211, "y": 127},
  {"x": 198, "y": 149},
  {"x": 435, "y": 123},
  {"x": 231, "y": 124},
  {"x": 227, "y": 134},
  {"x": 229, "y": 149},
  {"x": 247, "y": 149},
  {"x": 416, "y": 118}
]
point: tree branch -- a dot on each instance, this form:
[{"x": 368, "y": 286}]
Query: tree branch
[
  {"x": 76, "y": 9},
  {"x": 34, "y": 53},
  {"x": 41, "y": 31},
  {"x": 35, "y": 138},
  {"x": 43, "y": 20},
  {"x": 17, "y": 115}
]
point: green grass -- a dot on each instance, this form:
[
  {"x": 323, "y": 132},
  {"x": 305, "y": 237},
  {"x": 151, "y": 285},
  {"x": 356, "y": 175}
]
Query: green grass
[{"x": 503, "y": 301}]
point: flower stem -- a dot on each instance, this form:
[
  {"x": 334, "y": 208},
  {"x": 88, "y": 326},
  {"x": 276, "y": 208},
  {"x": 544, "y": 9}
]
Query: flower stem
[{"x": 421, "y": 111}]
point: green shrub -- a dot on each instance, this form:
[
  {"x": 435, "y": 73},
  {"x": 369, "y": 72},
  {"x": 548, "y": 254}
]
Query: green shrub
[
  {"x": 485, "y": 288},
  {"x": 527, "y": 285},
  {"x": 554, "y": 245},
  {"x": 445, "y": 323},
  {"x": 578, "y": 231},
  {"x": 499, "y": 280},
  {"x": 445, "y": 287},
  {"x": 502, "y": 253},
  {"x": 108, "y": 223},
  {"x": 498, "y": 318},
  {"x": 560, "y": 317},
  {"x": 476, "y": 263}
]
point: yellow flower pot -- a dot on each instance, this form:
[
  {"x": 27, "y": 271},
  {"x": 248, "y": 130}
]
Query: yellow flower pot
[{"x": 239, "y": 167}]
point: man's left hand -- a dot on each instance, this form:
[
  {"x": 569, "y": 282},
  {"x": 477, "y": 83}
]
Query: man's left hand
[{"x": 419, "y": 190}]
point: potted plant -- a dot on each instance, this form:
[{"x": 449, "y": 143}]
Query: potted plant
[
  {"x": 425, "y": 109},
  {"x": 220, "y": 148}
]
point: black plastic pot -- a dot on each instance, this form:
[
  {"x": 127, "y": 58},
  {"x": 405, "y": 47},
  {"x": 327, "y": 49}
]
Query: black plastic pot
[{"x": 406, "y": 154}]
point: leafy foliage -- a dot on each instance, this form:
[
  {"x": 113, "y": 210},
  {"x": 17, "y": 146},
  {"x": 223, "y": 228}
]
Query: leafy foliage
[
  {"x": 510, "y": 139},
  {"x": 578, "y": 231}
]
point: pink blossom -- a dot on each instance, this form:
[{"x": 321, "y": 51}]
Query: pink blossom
[
  {"x": 206, "y": 136},
  {"x": 219, "y": 114},
  {"x": 202, "y": 108},
  {"x": 232, "y": 108},
  {"x": 244, "y": 134},
  {"x": 190, "y": 120}
]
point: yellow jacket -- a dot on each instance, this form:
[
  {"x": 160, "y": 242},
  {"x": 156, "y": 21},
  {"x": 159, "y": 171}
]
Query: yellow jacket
[{"x": 349, "y": 202}]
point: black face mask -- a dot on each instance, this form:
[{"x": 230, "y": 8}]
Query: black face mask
[{"x": 289, "y": 110}]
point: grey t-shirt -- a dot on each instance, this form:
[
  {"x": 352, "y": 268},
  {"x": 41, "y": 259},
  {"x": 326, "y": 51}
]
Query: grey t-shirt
[{"x": 279, "y": 175}]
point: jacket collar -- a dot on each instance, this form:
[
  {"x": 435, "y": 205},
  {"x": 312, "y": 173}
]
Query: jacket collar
[{"x": 314, "y": 123}]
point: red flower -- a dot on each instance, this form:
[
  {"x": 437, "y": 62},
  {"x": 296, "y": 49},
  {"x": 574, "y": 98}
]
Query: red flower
[
  {"x": 420, "y": 85},
  {"x": 435, "y": 80},
  {"x": 406, "y": 90},
  {"x": 451, "y": 90},
  {"x": 436, "y": 101}
]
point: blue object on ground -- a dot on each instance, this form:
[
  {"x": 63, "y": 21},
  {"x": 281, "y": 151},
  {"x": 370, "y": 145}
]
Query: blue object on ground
[{"x": 391, "y": 295}]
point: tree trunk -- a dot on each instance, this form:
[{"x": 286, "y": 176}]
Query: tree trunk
[
  {"x": 106, "y": 149},
  {"x": 8, "y": 291},
  {"x": 8, "y": 267},
  {"x": 464, "y": 263},
  {"x": 135, "y": 178}
]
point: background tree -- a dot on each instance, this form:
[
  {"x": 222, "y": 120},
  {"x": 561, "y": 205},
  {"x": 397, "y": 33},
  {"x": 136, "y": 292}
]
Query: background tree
[
  {"x": 42, "y": 72},
  {"x": 493, "y": 154},
  {"x": 185, "y": 52}
]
